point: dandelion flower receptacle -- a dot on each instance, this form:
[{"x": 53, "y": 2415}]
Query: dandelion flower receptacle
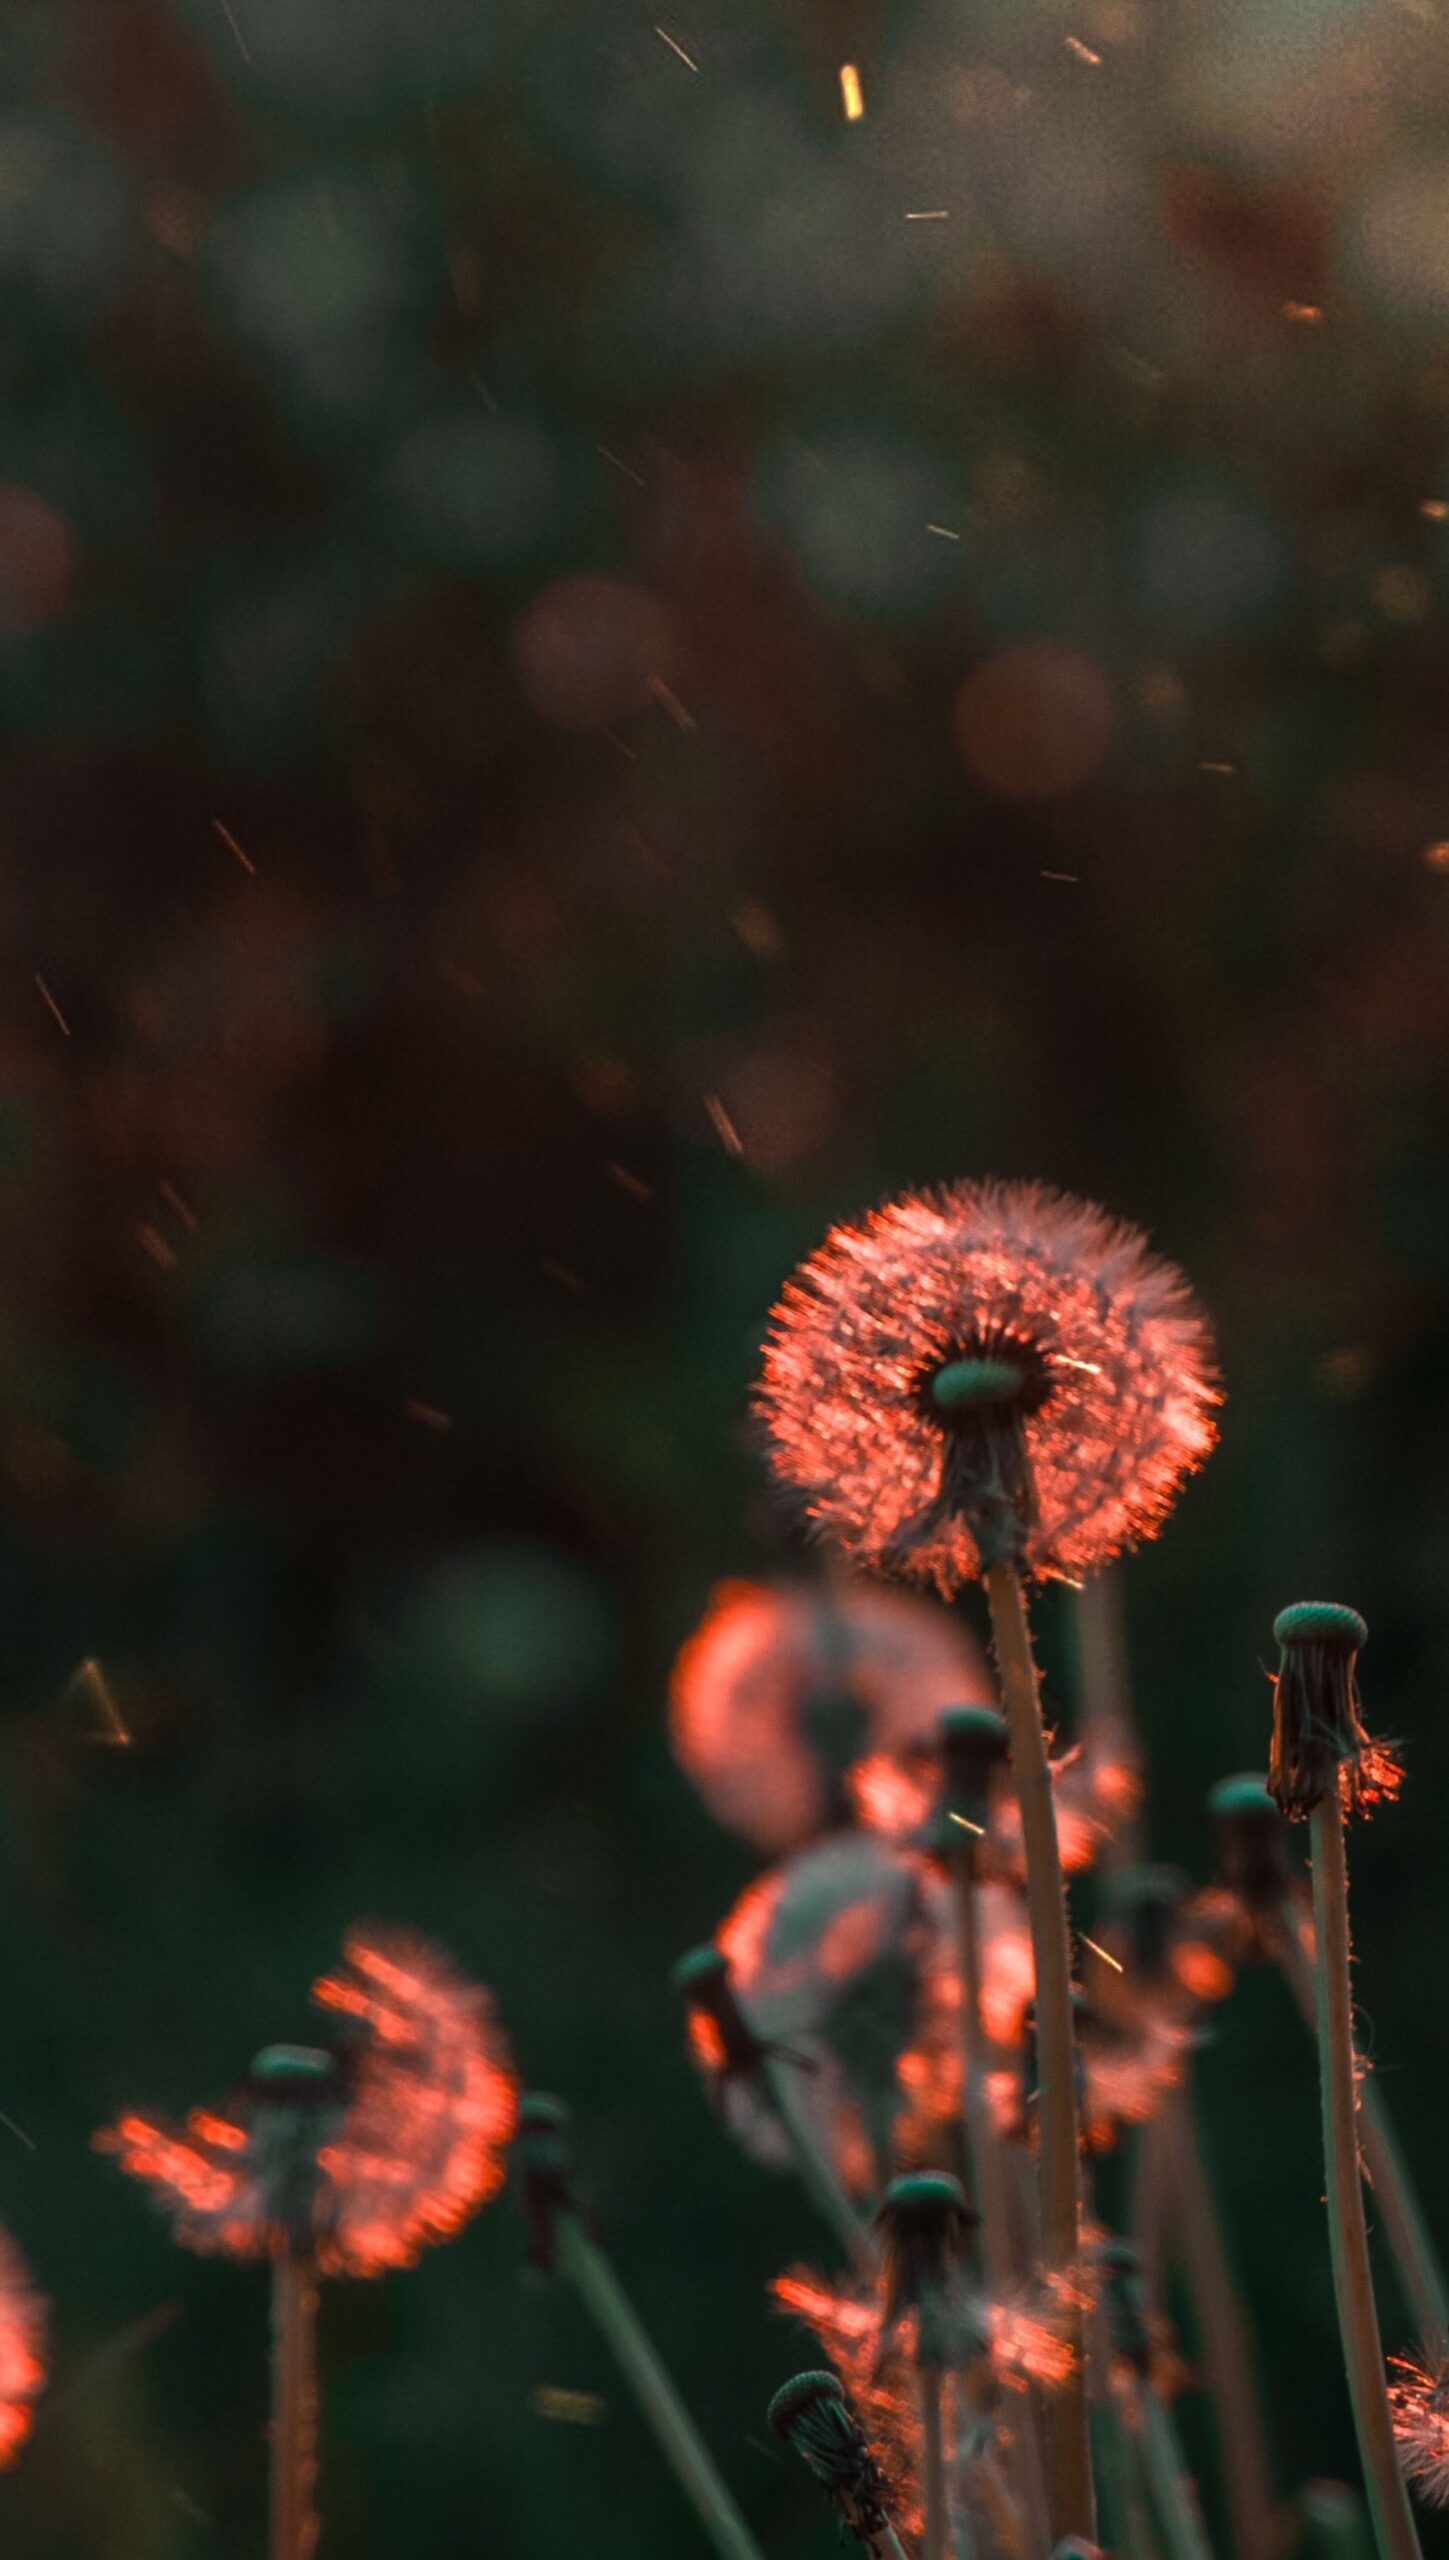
[
  {"x": 812, "y": 2414},
  {"x": 1320, "y": 1757}
]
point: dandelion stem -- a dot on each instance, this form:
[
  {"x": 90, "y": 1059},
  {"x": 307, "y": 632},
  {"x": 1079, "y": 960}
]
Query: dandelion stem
[
  {"x": 1224, "y": 2339},
  {"x": 294, "y": 2404},
  {"x": 933, "y": 2464},
  {"x": 1347, "y": 2228},
  {"x": 584, "y": 2262},
  {"x": 813, "y": 2167},
  {"x": 1411, "y": 2242},
  {"x": 1173, "y": 2503},
  {"x": 991, "y": 2183},
  {"x": 1070, "y": 2488}
]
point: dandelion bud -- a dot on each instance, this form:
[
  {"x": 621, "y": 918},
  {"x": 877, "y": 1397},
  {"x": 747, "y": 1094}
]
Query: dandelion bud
[
  {"x": 1148, "y": 1902},
  {"x": 973, "y": 1753},
  {"x": 1319, "y": 1741},
  {"x": 297, "y": 2097},
  {"x": 722, "y": 2037},
  {"x": 1252, "y": 1845},
  {"x": 924, "y": 2222},
  {"x": 812, "y": 2414},
  {"x": 543, "y": 2159},
  {"x": 1125, "y": 2305}
]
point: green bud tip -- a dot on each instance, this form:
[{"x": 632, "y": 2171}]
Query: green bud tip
[
  {"x": 975, "y": 1728},
  {"x": 295, "y": 2062},
  {"x": 976, "y": 1382},
  {"x": 924, "y": 2192},
  {"x": 794, "y": 2398},
  {"x": 1237, "y": 1798},
  {"x": 538, "y": 2114},
  {"x": 700, "y": 1970},
  {"x": 1320, "y": 1622}
]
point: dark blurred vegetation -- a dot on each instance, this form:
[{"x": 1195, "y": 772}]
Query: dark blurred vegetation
[{"x": 582, "y": 692}]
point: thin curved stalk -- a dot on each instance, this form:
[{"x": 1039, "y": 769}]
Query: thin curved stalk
[
  {"x": 934, "y": 2545},
  {"x": 1173, "y": 2503},
  {"x": 1070, "y": 2495},
  {"x": 813, "y": 2167},
  {"x": 1411, "y": 2242},
  {"x": 584, "y": 2263},
  {"x": 1347, "y": 2229},
  {"x": 294, "y": 2520},
  {"x": 1224, "y": 2338}
]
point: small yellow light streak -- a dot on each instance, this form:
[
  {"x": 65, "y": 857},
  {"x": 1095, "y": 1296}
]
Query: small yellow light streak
[
  {"x": 1102, "y": 1952},
  {"x": 576, "y": 2408},
  {"x": 852, "y": 97},
  {"x": 967, "y": 1826},
  {"x": 666, "y": 38}
]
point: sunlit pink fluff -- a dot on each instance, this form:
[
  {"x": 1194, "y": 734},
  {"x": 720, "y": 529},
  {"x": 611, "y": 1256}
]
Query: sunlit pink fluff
[
  {"x": 22, "y": 2351},
  {"x": 895, "y": 1793},
  {"x": 1419, "y": 2402},
  {"x": 420, "y": 2135},
  {"x": 870, "y": 1318},
  {"x": 742, "y": 1681}
]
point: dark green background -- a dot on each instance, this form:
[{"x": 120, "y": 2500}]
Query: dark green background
[{"x": 330, "y": 336}]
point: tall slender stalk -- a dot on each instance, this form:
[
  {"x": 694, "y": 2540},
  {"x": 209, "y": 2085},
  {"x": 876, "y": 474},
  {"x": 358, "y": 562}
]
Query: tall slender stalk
[
  {"x": 1070, "y": 2494},
  {"x": 812, "y": 2164},
  {"x": 1411, "y": 2242},
  {"x": 1173, "y": 2503},
  {"x": 934, "y": 2544},
  {"x": 1348, "y": 2231},
  {"x": 585, "y": 2264},
  {"x": 1224, "y": 2338},
  {"x": 294, "y": 2525}
]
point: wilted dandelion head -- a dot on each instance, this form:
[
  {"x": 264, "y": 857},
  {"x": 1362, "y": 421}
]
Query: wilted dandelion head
[
  {"x": 784, "y": 1686},
  {"x": 22, "y": 2351},
  {"x": 812, "y": 2414},
  {"x": 914, "y": 1352},
  {"x": 1419, "y": 2404},
  {"x": 364, "y": 2154}
]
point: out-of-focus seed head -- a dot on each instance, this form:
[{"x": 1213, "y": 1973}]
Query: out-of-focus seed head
[{"x": 1251, "y": 1841}]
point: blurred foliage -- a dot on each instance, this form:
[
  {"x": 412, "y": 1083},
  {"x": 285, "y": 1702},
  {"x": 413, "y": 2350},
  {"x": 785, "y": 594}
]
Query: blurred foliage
[{"x": 598, "y": 664}]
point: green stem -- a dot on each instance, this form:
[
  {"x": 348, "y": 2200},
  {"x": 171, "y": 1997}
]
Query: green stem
[
  {"x": 1224, "y": 2338},
  {"x": 585, "y": 2264},
  {"x": 1411, "y": 2242},
  {"x": 815, "y": 2170},
  {"x": 1347, "y": 2229},
  {"x": 294, "y": 2524},
  {"x": 934, "y": 2544},
  {"x": 1070, "y": 2496},
  {"x": 1173, "y": 2503}
]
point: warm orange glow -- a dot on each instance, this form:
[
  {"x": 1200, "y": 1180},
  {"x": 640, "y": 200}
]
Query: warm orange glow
[
  {"x": 1035, "y": 721},
  {"x": 848, "y": 1927},
  {"x": 852, "y": 96},
  {"x": 1204, "y": 1974},
  {"x": 425, "y": 2135},
  {"x": 745, "y": 1681},
  {"x": 864, "y": 1325},
  {"x": 22, "y": 2351},
  {"x": 417, "y": 2143},
  {"x": 1419, "y": 2402}
]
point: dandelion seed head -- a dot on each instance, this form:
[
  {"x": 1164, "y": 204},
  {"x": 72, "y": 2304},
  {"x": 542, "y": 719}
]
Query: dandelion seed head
[
  {"x": 22, "y": 2351},
  {"x": 783, "y": 1686},
  {"x": 1419, "y": 2406},
  {"x": 1113, "y": 1356},
  {"x": 386, "y": 2145}
]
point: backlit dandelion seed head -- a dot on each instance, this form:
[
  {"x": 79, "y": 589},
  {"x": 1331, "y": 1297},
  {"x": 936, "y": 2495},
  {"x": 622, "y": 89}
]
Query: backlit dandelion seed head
[
  {"x": 22, "y": 2351},
  {"x": 1113, "y": 1348},
  {"x": 783, "y": 1686},
  {"x": 1419, "y": 2406},
  {"x": 409, "y": 2130},
  {"x": 835, "y": 1957}
]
